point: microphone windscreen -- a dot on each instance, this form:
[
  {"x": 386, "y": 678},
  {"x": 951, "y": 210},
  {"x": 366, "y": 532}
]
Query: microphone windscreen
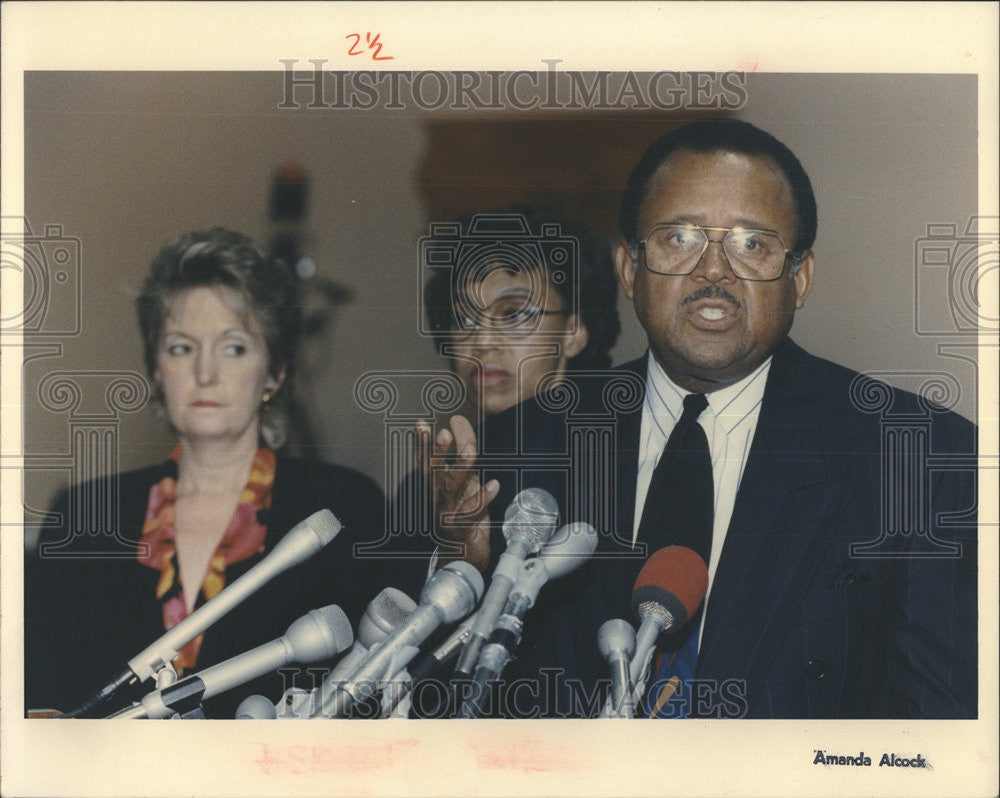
[
  {"x": 325, "y": 524},
  {"x": 319, "y": 635},
  {"x": 532, "y": 517},
  {"x": 674, "y": 576},
  {"x": 616, "y": 636},
  {"x": 384, "y": 613},
  {"x": 568, "y": 548},
  {"x": 256, "y": 707},
  {"x": 454, "y": 590}
]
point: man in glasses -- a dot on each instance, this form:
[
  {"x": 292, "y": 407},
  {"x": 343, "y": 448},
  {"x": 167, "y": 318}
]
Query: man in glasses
[{"x": 841, "y": 563}]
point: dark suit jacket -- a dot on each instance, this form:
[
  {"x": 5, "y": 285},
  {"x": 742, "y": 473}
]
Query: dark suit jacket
[
  {"x": 86, "y": 616},
  {"x": 799, "y": 624}
]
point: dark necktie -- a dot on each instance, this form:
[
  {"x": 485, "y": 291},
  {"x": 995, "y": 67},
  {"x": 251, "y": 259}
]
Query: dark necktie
[
  {"x": 679, "y": 511},
  {"x": 679, "y": 505}
]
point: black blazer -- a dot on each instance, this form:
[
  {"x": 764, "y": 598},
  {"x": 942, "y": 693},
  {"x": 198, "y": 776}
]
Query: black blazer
[
  {"x": 819, "y": 608},
  {"x": 86, "y": 616}
]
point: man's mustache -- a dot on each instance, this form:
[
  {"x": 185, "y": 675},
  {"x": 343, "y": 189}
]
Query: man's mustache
[{"x": 711, "y": 292}]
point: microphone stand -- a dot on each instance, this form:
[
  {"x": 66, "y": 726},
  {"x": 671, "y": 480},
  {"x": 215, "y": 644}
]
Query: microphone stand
[{"x": 496, "y": 653}]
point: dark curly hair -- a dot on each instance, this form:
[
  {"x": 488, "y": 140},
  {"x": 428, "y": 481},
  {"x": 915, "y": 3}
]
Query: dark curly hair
[
  {"x": 591, "y": 289},
  {"x": 725, "y": 135},
  {"x": 268, "y": 289}
]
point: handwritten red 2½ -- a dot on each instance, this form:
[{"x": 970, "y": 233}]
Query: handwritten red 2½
[{"x": 373, "y": 44}]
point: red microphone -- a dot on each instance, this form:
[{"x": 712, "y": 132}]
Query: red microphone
[
  {"x": 667, "y": 594},
  {"x": 674, "y": 581}
]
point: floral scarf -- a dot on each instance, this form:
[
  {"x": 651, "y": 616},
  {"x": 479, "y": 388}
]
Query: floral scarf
[{"x": 243, "y": 538}]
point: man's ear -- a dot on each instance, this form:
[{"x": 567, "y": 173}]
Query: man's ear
[
  {"x": 804, "y": 278},
  {"x": 625, "y": 266}
]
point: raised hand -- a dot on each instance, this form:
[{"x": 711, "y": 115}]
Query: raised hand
[{"x": 461, "y": 504}]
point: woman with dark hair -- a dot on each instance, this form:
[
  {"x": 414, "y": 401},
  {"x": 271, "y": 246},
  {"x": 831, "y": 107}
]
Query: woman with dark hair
[
  {"x": 517, "y": 301},
  {"x": 219, "y": 319}
]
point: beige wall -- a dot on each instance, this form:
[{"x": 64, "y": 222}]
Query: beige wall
[{"x": 125, "y": 161}]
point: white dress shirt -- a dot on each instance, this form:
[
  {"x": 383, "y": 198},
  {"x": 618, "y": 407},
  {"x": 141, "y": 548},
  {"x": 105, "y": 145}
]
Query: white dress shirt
[{"x": 729, "y": 421}]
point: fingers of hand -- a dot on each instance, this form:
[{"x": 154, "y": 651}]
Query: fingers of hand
[
  {"x": 451, "y": 476},
  {"x": 463, "y": 433},
  {"x": 475, "y": 500},
  {"x": 432, "y": 452},
  {"x": 442, "y": 443}
]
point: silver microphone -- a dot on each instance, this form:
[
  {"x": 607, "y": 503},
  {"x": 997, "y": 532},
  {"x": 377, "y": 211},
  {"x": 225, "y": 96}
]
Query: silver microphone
[
  {"x": 528, "y": 523},
  {"x": 384, "y": 614},
  {"x": 568, "y": 549},
  {"x": 616, "y": 642},
  {"x": 301, "y": 542},
  {"x": 319, "y": 635},
  {"x": 449, "y": 595},
  {"x": 256, "y": 707}
]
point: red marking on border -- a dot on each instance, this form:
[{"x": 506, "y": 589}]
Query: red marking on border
[
  {"x": 531, "y": 756},
  {"x": 300, "y": 760},
  {"x": 371, "y": 42}
]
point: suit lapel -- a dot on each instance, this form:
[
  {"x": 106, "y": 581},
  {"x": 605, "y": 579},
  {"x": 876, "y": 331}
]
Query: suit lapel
[{"x": 783, "y": 498}]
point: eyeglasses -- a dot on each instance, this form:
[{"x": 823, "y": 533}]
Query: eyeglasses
[
  {"x": 513, "y": 316},
  {"x": 677, "y": 249}
]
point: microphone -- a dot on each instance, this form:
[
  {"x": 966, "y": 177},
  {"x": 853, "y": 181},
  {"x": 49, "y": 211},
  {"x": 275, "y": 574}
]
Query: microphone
[
  {"x": 667, "y": 594},
  {"x": 383, "y": 615},
  {"x": 451, "y": 646},
  {"x": 430, "y": 663},
  {"x": 316, "y": 636},
  {"x": 528, "y": 523},
  {"x": 616, "y": 641},
  {"x": 299, "y": 544},
  {"x": 569, "y": 548},
  {"x": 444, "y": 652},
  {"x": 256, "y": 707},
  {"x": 449, "y": 595}
]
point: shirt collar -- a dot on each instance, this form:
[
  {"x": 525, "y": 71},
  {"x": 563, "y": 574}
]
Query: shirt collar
[{"x": 731, "y": 405}]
